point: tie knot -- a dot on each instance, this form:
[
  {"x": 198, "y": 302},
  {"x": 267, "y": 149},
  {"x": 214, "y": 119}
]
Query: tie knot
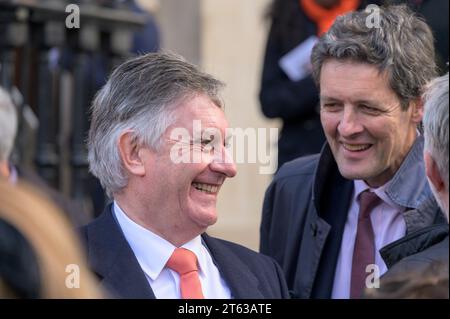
[
  {"x": 367, "y": 202},
  {"x": 183, "y": 261}
]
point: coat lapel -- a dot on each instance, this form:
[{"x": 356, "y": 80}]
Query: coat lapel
[
  {"x": 112, "y": 259},
  {"x": 321, "y": 241},
  {"x": 333, "y": 214},
  {"x": 313, "y": 240},
  {"x": 241, "y": 281}
]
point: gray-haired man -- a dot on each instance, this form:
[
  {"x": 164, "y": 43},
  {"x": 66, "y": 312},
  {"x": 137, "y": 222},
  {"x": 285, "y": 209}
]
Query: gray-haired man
[
  {"x": 12, "y": 173},
  {"x": 330, "y": 219},
  {"x": 151, "y": 242},
  {"x": 8, "y": 131},
  {"x": 435, "y": 247},
  {"x": 436, "y": 140}
]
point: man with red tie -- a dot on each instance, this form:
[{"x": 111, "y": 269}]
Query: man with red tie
[
  {"x": 157, "y": 143},
  {"x": 331, "y": 219}
]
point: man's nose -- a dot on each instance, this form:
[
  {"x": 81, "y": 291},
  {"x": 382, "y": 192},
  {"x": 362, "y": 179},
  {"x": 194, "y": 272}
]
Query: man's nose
[
  {"x": 223, "y": 163},
  {"x": 350, "y": 123}
]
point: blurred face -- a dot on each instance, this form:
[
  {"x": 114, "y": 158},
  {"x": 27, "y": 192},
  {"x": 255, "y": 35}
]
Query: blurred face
[
  {"x": 186, "y": 193},
  {"x": 368, "y": 132}
]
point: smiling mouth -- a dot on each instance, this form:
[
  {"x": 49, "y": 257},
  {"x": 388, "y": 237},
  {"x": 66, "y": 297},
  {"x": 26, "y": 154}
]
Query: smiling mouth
[
  {"x": 356, "y": 147},
  {"x": 206, "y": 188}
]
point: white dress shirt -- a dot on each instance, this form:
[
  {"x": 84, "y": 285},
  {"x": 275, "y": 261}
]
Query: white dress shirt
[
  {"x": 153, "y": 252},
  {"x": 388, "y": 226}
]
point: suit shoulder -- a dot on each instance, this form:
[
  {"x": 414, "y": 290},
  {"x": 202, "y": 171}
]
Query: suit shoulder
[
  {"x": 261, "y": 268},
  {"x": 83, "y": 234},
  {"x": 85, "y": 228},
  {"x": 437, "y": 253},
  {"x": 246, "y": 254},
  {"x": 83, "y": 231}
]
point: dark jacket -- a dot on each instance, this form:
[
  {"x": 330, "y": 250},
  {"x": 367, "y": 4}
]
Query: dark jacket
[
  {"x": 296, "y": 103},
  {"x": 306, "y": 208},
  {"x": 19, "y": 266},
  {"x": 248, "y": 274},
  {"x": 423, "y": 246}
]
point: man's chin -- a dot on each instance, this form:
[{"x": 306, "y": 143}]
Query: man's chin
[
  {"x": 204, "y": 218},
  {"x": 350, "y": 169},
  {"x": 210, "y": 221},
  {"x": 352, "y": 174}
]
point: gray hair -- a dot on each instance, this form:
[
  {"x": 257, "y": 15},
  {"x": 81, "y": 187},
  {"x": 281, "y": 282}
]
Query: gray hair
[
  {"x": 435, "y": 123},
  {"x": 141, "y": 96},
  {"x": 8, "y": 125},
  {"x": 402, "y": 45}
]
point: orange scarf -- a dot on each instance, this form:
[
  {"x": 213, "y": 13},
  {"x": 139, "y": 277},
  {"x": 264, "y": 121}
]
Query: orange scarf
[{"x": 324, "y": 18}]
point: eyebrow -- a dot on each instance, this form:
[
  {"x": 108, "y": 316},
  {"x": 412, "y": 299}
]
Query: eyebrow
[
  {"x": 362, "y": 101},
  {"x": 327, "y": 98},
  {"x": 373, "y": 104}
]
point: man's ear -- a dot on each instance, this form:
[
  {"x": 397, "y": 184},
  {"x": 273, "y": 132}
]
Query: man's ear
[
  {"x": 417, "y": 110},
  {"x": 130, "y": 153},
  {"x": 433, "y": 173}
]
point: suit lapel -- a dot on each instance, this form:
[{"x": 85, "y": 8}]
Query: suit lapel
[
  {"x": 112, "y": 259},
  {"x": 241, "y": 281}
]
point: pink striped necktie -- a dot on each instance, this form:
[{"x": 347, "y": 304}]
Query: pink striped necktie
[{"x": 364, "y": 251}]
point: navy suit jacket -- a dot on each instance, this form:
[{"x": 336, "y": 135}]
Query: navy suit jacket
[{"x": 248, "y": 274}]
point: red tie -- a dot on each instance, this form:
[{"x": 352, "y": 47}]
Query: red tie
[
  {"x": 184, "y": 262},
  {"x": 364, "y": 251}
]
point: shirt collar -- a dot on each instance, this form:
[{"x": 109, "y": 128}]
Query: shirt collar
[
  {"x": 151, "y": 250},
  {"x": 361, "y": 186},
  {"x": 408, "y": 187}
]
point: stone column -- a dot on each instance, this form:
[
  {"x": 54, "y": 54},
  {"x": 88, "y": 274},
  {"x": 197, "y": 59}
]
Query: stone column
[{"x": 181, "y": 27}]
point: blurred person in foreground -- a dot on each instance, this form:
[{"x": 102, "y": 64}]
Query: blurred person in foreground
[
  {"x": 436, "y": 140},
  {"x": 329, "y": 219},
  {"x": 429, "y": 282},
  {"x": 157, "y": 143},
  {"x": 12, "y": 173},
  {"x": 435, "y": 249},
  {"x": 40, "y": 256},
  {"x": 8, "y": 130}
]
